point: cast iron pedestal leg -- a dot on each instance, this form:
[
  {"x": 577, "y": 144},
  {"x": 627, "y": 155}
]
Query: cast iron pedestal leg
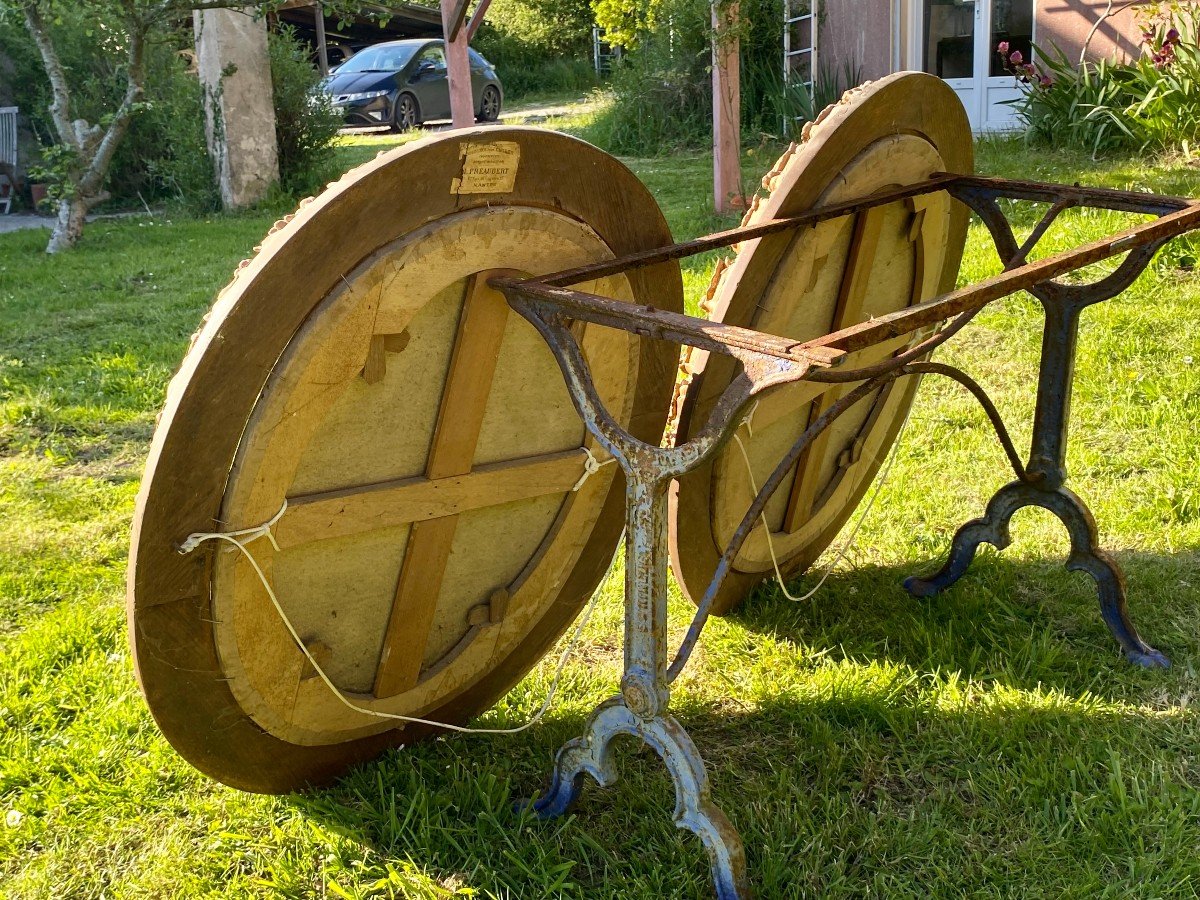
[
  {"x": 641, "y": 709},
  {"x": 1085, "y": 556},
  {"x": 1042, "y": 485}
]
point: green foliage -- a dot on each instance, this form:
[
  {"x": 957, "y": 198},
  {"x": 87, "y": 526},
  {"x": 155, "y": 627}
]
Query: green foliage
[
  {"x": 662, "y": 89},
  {"x": 164, "y": 156},
  {"x": 1082, "y": 107},
  {"x": 1167, "y": 112},
  {"x": 626, "y": 22},
  {"x": 555, "y": 28},
  {"x": 539, "y": 45},
  {"x": 306, "y": 125},
  {"x": 525, "y": 70}
]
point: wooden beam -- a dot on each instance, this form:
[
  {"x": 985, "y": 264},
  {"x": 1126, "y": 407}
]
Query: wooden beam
[
  {"x": 727, "y": 108},
  {"x": 860, "y": 257},
  {"x": 322, "y": 50},
  {"x": 333, "y": 514},
  {"x": 477, "y": 18},
  {"x": 458, "y": 63},
  {"x": 454, "y": 12},
  {"x": 460, "y": 418}
]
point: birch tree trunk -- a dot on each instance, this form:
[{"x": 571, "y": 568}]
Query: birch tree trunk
[
  {"x": 69, "y": 225},
  {"x": 93, "y": 147}
]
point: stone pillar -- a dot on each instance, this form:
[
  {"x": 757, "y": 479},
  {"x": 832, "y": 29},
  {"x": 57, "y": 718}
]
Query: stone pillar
[{"x": 235, "y": 70}]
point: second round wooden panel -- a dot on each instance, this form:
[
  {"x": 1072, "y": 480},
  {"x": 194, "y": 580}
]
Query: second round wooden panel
[{"x": 837, "y": 273}]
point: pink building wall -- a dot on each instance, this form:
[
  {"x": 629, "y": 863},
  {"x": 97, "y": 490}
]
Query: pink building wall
[
  {"x": 855, "y": 34},
  {"x": 1066, "y": 23},
  {"x": 858, "y": 33}
]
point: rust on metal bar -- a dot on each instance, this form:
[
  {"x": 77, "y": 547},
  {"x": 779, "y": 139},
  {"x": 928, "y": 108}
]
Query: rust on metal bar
[
  {"x": 1039, "y": 231},
  {"x": 648, "y": 321},
  {"x": 743, "y": 233},
  {"x": 905, "y": 321},
  {"x": 1082, "y": 195}
]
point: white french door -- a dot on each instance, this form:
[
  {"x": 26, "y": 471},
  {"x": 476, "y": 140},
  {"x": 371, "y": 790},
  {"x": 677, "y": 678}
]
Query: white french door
[{"x": 957, "y": 40}]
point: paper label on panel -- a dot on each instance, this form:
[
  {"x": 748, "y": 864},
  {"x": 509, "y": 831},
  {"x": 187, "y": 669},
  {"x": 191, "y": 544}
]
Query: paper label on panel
[{"x": 489, "y": 168}]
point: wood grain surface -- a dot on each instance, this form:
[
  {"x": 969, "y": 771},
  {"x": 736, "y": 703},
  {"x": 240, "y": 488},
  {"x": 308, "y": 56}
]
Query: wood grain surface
[
  {"x": 325, "y": 328},
  {"x": 807, "y": 283}
]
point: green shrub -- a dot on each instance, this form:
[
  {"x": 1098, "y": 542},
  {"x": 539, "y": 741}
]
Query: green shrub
[
  {"x": 662, "y": 90},
  {"x": 164, "y": 156},
  {"x": 539, "y": 46},
  {"x": 1152, "y": 103},
  {"x": 525, "y": 70},
  {"x": 306, "y": 125},
  {"x": 1166, "y": 114},
  {"x": 1083, "y": 107}
]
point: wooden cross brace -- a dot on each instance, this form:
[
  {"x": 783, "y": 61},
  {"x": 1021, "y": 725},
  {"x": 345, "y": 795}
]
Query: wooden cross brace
[{"x": 433, "y": 502}]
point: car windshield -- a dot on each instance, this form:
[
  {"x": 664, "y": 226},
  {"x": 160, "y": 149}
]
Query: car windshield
[{"x": 381, "y": 58}]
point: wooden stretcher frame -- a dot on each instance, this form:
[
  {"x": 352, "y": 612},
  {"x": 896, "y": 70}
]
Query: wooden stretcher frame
[{"x": 641, "y": 710}]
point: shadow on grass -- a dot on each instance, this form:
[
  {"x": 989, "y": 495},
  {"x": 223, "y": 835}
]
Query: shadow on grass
[
  {"x": 863, "y": 790},
  {"x": 1018, "y": 622},
  {"x": 988, "y": 741}
]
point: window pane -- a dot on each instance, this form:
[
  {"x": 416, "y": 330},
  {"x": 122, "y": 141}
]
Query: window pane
[
  {"x": 1012, "y": 21},
  {"x": 950, "y": 38}
]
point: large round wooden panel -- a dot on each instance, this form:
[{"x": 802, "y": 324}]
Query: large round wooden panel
[
  {"x": 816, "y": 280},
  {"x": 361, "y": 376}
]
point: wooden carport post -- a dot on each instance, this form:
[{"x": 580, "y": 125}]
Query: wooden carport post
[
  {"x": 322, "y": 49},
  {"x": 458, "y": 32},
  {"x": 727, "y": 107}
]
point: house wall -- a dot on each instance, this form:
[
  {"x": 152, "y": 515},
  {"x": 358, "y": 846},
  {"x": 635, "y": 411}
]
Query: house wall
[
  {"x": 855, "y": 35},
  {"x": 1066, "y": 23},
  {"x": 858, "y": 33}
]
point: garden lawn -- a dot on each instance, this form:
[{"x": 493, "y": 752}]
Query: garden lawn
[{"x": 990, "y": 742}]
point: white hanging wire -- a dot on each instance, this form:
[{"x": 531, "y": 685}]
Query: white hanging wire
[
  {"x": 849, "y": 542},
  {"x": 244, "y": 536}
]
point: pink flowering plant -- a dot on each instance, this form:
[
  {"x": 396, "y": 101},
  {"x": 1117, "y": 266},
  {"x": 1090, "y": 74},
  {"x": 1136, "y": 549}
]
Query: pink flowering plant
[
  {"x": 1065, "y": 105},
  {"x": 1023, "y": 70},
  {"x": 1151, "y": 103},
  {"x": 1166, "y": 112}
]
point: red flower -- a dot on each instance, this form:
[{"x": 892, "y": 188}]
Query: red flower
[
  {"x": 1002, "y": 48},
  {"x": 1172, "y": 36},
  {"x": 1016, "y": 59},
  {"x": 1046, "y": 81}
]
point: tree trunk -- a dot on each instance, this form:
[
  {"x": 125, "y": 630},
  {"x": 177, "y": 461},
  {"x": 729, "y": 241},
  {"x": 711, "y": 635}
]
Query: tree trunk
[{"x": 69, "y": 227}]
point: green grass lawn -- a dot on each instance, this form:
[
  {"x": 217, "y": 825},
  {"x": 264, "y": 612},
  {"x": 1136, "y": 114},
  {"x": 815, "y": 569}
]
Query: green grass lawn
[{"x": 990, "y": 742}]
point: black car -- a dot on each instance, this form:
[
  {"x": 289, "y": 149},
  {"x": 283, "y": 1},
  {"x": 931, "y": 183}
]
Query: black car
[{"x": 404, "y": 83}]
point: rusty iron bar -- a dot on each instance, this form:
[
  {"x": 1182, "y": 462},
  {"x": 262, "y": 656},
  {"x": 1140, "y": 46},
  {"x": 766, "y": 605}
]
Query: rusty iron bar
[
  {"x": 732, "y": 236},
  {"x": 1080, "y": 195},
  {"x": 721, "y": 338},
  {"x": 750, "y": 519},
  {"x": 1182, "y": 216},
  {"x": 958, "y": 186},
  {"x": 1039, "y": 230},
  {"x": 989, "y": 407},
  {"x": 647, "y": 321},
  {"x": 930, "y": 312}
]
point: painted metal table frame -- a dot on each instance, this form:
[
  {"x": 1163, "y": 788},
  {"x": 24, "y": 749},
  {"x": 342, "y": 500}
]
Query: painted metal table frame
[{"x": 641, "y": 709}]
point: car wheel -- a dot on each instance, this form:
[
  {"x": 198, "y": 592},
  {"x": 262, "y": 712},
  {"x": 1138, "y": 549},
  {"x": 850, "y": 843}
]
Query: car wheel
[
  {"x": 406, "y": 115},
  {"x": 489, "y": 106}
]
